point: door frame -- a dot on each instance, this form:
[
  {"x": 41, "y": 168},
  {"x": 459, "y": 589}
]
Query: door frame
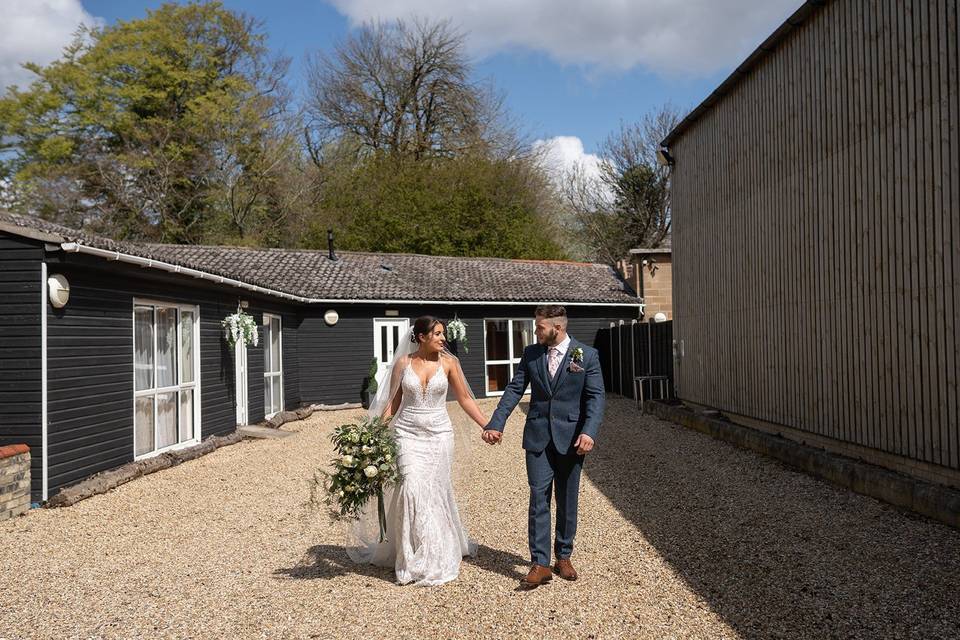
[
  {"x": 242, "y": 382},
  {"x": 403, "y": 324}
]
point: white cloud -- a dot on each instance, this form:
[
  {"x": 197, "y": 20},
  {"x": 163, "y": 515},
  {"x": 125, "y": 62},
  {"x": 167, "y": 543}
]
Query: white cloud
[
  {"x": 35, "y": 31},
  {"x": 663, "y": 36},
  {"x": 561, "y": 154}
]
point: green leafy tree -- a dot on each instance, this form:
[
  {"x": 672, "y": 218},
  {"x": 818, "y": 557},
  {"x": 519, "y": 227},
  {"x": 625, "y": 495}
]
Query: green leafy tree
[
  {"x": 462, "y": 206},
  {"x": 628, "y": 204},
  {"x": 148, "y": 128}
]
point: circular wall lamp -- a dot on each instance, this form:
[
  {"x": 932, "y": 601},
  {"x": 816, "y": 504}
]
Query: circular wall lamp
[
  {"x": 58, "y": 289},
  {"x": 331, "y": 317}
]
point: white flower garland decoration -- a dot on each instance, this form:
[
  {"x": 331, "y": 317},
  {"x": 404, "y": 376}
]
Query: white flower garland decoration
[
  {"x": 240, "y": 327},
  {"x": 457, "y": 331}
]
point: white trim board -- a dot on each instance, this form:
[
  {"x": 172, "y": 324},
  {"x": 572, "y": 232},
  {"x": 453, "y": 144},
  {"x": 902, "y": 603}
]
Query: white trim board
[{"x": 45, "y": 456}]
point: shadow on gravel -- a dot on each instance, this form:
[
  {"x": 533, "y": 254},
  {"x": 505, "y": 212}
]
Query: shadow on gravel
[
  {"x": 326, "y": 561},
  {"x": 507, "y": 564},
  {"x": 775, "y": 552}
]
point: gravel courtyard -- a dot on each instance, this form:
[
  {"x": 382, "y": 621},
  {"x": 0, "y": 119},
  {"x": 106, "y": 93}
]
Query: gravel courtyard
[{"x": 680, "y": 536}]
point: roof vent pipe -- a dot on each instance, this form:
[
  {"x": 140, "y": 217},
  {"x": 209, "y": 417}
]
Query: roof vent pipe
[{"x": 331, "y": 255}]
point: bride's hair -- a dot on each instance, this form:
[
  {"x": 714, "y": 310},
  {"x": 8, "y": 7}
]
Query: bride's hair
[{"x": 422, "y": 326}]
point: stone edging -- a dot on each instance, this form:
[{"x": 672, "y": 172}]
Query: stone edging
[
  {"x": 934, "y": 501},
  {"x": 107, "y": 480},
  {"x": 305, "y": 412}
]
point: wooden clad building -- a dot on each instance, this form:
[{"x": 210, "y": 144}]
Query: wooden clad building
[
  {"x": 136, "y": 362},
  {"x": 816, "y": 236}
]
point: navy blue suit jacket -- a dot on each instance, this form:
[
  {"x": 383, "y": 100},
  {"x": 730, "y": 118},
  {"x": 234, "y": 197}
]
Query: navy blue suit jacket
[{"x": 560, "y": 409}]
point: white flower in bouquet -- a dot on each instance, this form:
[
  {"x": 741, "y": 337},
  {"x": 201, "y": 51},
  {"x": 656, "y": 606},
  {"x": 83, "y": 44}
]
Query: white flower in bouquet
[{"x": 364, "y": 466}]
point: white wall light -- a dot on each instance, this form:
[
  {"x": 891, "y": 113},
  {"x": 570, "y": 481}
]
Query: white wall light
[
  {"x": 59, "y": 290},
  {"x": 331, "y": 317}
]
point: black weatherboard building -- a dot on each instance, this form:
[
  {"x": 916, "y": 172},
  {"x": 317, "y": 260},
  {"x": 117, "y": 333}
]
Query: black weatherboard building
[{"x": 136, "y": 363}]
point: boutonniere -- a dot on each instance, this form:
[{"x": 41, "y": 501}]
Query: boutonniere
[{"x": 575, "y": 360}]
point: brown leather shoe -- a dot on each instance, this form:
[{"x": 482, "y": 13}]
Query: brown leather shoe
[
  {"x": 538, "y": 575},
  {"x": 565, "y": 568}
]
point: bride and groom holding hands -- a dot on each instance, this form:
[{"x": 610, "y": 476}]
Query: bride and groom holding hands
[{"x": 426, "y": 539}]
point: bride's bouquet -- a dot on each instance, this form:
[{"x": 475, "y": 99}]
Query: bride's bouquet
[{"x": 365, "y": 464}]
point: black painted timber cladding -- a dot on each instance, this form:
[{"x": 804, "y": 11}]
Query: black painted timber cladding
[
  {"x": 90, "y": 362},
  {"x": 20, "y": 355},
  {"x": 335, "y": 360}
]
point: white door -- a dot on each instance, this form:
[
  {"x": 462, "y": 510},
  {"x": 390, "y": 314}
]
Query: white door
[
  {"x": 387, "y": 334},
  {"x": 241, "y": 359}
]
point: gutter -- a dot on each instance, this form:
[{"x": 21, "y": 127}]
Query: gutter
[{"x": 76, "y": 247}]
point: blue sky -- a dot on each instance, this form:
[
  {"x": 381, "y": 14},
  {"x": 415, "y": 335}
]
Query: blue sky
[{"x": 569, "y": 68}]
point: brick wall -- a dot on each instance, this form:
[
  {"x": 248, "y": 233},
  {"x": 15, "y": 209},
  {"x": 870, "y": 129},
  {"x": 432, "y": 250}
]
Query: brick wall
[
  {"x": 14, "y": 480},
  {"x": 656, "y": 285}
]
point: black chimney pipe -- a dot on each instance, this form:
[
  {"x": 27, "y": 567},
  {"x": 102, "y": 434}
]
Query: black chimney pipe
[{"x": 332, "y": 255}]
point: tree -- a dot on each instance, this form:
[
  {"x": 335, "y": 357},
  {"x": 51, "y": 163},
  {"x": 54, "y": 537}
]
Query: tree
[
  {"x": 628, "y": 204},
  {"x": 405, "y": 88},
  {"x": 160, "y": 128},
  {"x": 463, "y": 206}
]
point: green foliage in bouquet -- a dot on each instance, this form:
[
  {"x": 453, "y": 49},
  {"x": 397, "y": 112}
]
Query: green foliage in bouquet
[{"x": 364, "y": 465}]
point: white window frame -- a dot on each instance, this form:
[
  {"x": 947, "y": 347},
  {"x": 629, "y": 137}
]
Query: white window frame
[
  {"x": 511, "y": 362},
  {"x": 265, "y": 322},
  {"x": 155, "y": 391}
]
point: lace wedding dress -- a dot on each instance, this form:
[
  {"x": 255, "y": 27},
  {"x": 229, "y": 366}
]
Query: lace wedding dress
[{"x": 426, "y": 539}]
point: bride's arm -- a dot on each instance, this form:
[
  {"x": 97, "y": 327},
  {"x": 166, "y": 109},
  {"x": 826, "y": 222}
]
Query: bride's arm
[{"x": 460, "y": 391}]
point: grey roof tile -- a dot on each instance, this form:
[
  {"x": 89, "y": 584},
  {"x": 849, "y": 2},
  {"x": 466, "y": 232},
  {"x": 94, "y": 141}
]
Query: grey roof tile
[{"x": 374, "y": 276}]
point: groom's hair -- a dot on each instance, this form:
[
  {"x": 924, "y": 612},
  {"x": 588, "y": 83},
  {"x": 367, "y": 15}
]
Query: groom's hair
[{"x": 551, "y": 312}]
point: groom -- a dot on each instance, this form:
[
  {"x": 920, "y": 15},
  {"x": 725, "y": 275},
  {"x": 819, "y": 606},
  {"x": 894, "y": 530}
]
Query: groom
[{"x": 566, "y": 406}]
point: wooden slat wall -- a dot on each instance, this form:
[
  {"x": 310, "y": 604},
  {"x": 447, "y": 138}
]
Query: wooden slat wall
[
  {"x": 817, "y": 234},
  {"x": 20, "y": 353}
]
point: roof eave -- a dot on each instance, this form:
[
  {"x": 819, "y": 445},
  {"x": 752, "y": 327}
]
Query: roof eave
[{"x": 796, "y": 19}]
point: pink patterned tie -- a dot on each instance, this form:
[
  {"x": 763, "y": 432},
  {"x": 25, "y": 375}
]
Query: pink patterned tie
[{"x": 554, "y": 361}]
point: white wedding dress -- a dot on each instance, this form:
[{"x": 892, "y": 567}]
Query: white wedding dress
[{"x": 426, "y": 539}]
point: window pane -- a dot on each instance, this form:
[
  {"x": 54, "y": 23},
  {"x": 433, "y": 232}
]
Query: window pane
[
  {"x": 498, "y": 375},
  {"x": 143, "y": 426},
  {"x": 186, "y": 346},
  {"x": 267, "y": 396},
  {"x": 186, "y": 415},
  {"x": 522, "y": 336},
  {"x": 166, "y": 347},
  {"x": 265, "y": 336},
  {"x": 166, "y": 419},
  {"x": 498, "y": 346},
  {"x": 274, "y": 345},
  {"x": 277, "y": 394},
  {"x": 143, "y": 348}
]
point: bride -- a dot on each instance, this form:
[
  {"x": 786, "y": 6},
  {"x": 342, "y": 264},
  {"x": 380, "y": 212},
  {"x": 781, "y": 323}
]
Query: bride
[{"x": 425, "y": 537}]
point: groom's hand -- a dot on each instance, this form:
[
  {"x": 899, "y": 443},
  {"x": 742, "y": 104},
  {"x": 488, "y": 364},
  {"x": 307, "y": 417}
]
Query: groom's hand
[
  {"x": 584, "y": 444},
  {"x": 491, "y": 436}
]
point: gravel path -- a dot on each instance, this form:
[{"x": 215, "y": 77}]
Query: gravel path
[{"x": 680, "y": 536}]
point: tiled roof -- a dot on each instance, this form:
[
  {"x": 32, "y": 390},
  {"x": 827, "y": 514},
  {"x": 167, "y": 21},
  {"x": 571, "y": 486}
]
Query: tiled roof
[{"x": 372, "y": 276}]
